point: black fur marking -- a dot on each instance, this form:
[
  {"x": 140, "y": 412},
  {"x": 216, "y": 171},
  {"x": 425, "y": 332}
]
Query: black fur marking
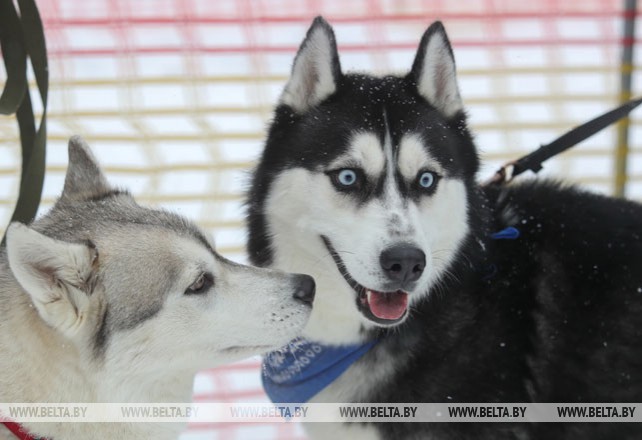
[
  {"x": 102, "y": 335},
  {"x": 107, "y": 195},
  {"x": 359, "y": 289}
]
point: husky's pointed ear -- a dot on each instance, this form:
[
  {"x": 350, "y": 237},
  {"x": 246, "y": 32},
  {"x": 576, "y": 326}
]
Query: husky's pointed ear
[
  {"x": 434, "y": 71},
  {"x": 84, "y": 177},
  {"x": 58, "y": 276},
  {"x": 316, "y": 70}
]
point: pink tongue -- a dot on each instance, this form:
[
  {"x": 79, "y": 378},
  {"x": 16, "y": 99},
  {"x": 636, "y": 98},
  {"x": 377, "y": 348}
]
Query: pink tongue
[{"x": 388, "y": 305}]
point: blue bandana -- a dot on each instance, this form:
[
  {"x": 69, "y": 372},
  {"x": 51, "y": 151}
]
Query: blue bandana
[{"x": 301, "y": 369}]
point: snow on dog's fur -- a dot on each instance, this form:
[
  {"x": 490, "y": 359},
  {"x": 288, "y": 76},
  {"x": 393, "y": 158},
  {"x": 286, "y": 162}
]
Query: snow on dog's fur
[
  {"x": 102, "y": 300},
  {"x": 369, "y": 184}
]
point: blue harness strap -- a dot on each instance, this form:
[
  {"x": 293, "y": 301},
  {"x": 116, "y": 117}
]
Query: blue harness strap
[
  {"x": 301, "y": 369},
  {"x": 509, "y": 233}
]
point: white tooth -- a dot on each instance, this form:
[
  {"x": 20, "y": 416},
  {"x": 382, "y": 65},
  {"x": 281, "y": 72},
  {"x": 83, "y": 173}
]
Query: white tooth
[{"x": 369, "y": 294}]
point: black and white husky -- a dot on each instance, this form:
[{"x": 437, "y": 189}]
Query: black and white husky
[{"x": 369, "y": 184}]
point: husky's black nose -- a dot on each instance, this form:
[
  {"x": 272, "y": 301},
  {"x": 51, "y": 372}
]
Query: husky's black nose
[
  {"x": 305, "y": 288},
  {"x": 403, "y": 263}
]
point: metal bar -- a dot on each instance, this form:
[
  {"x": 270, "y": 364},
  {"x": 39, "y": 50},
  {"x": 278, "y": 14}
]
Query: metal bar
[{"x": 626, "y": 68}]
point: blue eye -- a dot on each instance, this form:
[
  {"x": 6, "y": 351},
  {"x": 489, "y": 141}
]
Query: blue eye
[
  {"x": 347, "y": 177},
  {"x": 346, "y": 180},
  {"x": 426, "y": 179}
]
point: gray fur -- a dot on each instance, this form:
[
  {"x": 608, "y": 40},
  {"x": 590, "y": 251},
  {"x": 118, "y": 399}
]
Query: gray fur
[{"x": 98, "y": 304}]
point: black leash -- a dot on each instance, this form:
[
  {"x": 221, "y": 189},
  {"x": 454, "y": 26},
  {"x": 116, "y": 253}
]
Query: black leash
[
  {"x": 22, "y": 37},
  {"x": 534, "y": 160}
]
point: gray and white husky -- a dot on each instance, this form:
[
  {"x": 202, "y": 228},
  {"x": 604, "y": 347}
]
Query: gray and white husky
[
  {"x": 369, "y": 185},
  {"x": 102, "y": 300}
]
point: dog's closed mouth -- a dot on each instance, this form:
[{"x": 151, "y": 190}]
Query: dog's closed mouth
[{"x": 386, "y": 308}]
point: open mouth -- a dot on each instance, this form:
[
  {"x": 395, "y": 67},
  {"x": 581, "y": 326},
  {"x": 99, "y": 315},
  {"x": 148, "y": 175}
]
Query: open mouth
[{"x": 387, "y": 308}]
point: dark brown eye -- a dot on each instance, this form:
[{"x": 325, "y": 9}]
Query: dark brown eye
[{"x": 201, "y": 285}]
